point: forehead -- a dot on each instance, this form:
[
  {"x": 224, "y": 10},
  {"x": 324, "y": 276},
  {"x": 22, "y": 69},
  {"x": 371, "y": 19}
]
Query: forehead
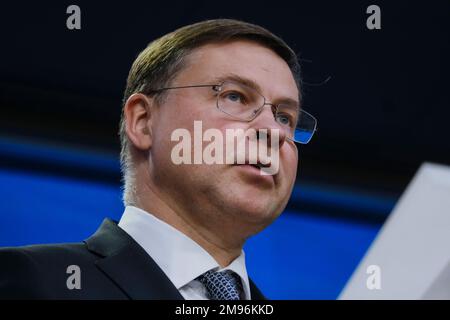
[{"x": 247, "y": 59}]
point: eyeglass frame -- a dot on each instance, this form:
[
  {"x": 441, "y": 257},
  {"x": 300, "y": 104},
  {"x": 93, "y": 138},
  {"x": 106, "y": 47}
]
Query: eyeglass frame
[{"x": 256, "y": 114}]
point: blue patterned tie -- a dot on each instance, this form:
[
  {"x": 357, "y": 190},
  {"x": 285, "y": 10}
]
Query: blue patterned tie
[{"x": 225, "y": 285}]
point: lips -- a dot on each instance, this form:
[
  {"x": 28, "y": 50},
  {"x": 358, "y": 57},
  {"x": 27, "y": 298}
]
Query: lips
[
  {"x": 252, "y": 173},
  {"x": 257, "y": 165}
]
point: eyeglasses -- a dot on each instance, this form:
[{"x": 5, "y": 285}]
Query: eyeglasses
[{"x": 245, "y": 103}]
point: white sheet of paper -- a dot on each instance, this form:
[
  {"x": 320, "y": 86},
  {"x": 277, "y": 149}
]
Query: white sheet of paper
[{"x": 410, "y": 256}]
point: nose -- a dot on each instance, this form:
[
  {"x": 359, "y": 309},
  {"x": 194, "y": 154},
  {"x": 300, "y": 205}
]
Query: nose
[{"x": 266, "y": 120}]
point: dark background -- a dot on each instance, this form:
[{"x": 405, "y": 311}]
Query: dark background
[{"x": 384, "y": 112}]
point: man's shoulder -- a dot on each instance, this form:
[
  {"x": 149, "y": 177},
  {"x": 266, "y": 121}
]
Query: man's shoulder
[
  {"x": 27, "y": 270},
  {"x": 42, "y": 248},
  {"x": 44, "y": 252}
]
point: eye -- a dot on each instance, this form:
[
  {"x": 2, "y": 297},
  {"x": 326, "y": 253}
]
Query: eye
[
  {"x": 284, "y": 119},
  {"x": 235, "y": 96}
]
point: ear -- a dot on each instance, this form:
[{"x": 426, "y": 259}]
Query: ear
[{"x": 137, "y": 112}]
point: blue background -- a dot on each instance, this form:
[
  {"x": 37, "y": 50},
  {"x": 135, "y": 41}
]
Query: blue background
[{"x": 302, "y": 255}]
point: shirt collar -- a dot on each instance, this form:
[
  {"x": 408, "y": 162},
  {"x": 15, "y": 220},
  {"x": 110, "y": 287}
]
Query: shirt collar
[{"x": 180, "y": 257}]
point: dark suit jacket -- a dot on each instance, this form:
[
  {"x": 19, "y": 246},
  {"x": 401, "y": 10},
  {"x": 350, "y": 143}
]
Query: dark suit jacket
[{"x": 112, "y": 265}]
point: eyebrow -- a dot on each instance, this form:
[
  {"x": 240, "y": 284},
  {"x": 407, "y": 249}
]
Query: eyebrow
[{"x": 252, "y": 84}]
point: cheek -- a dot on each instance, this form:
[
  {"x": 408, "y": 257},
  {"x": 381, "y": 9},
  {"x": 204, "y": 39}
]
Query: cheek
[{"x": 289, "y": 158}]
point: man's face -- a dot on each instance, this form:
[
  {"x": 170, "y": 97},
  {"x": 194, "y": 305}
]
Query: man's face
[{"x": 236, "y": 192}]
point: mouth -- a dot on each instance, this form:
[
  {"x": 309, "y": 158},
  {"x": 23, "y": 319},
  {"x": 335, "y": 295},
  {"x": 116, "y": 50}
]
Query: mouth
[
  {"x": 253, "y": 173},
  {"x": 258, "y": 165}
]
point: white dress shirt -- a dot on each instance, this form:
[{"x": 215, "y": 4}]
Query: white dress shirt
[{"x": 178, "y": 256}]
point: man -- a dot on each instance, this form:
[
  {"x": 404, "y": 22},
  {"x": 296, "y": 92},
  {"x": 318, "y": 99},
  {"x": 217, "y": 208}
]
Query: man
[{"x": 185, "y": 224}]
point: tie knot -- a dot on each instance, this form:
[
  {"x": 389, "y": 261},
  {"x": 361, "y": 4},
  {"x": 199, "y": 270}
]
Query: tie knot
[{"x": 225, "y": 285}]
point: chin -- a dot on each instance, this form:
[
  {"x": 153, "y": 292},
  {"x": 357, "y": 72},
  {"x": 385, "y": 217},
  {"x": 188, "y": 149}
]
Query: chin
[{"x": 254, "y": 210}]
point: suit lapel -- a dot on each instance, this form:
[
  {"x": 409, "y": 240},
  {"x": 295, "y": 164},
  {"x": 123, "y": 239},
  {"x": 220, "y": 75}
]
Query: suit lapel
[
  {"x": 132, "y": 269},
  {"x": 255, "y": 293},
  {"x": 128, "y": 265}
]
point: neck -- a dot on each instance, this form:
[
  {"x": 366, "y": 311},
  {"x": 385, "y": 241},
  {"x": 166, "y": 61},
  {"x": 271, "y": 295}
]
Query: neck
[{"x": 213, "y": 237}]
